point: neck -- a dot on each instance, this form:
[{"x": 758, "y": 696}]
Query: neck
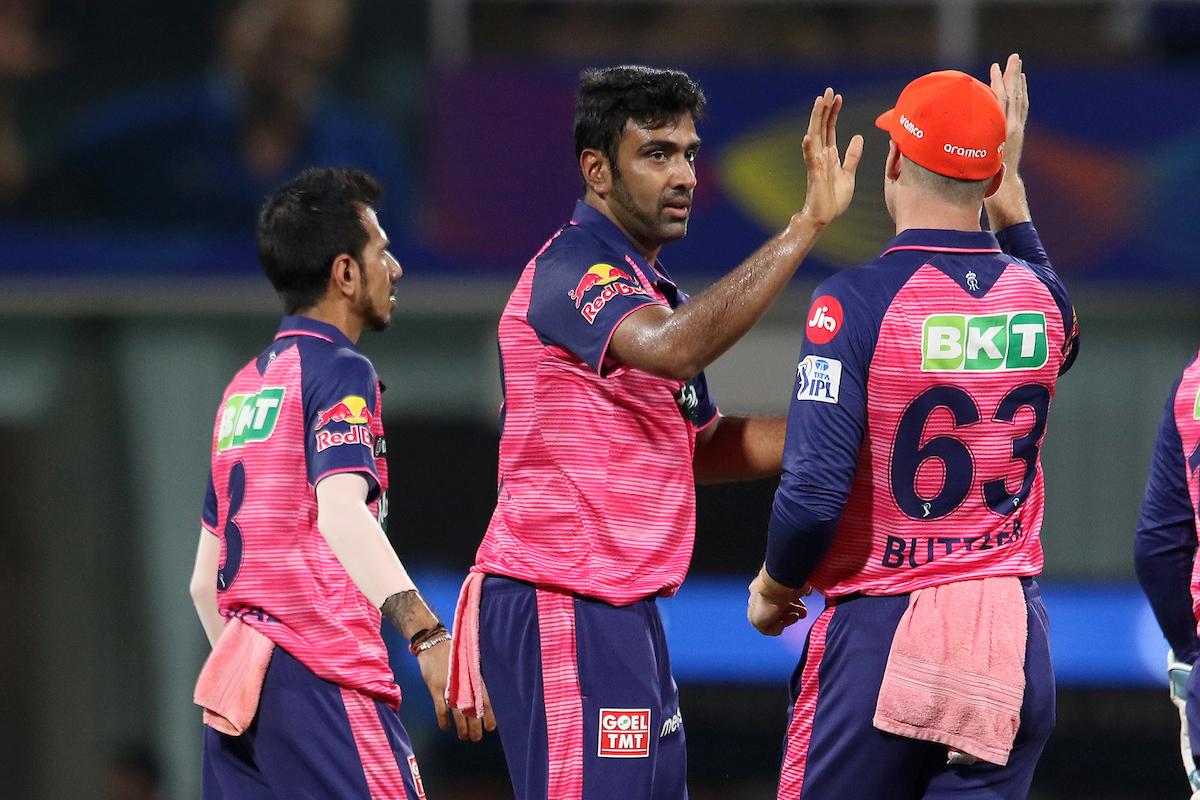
[
  {"x": 647, "y": 250},
  {"x": 915, "y": 210},
  {"x": 338, "y": 316}
]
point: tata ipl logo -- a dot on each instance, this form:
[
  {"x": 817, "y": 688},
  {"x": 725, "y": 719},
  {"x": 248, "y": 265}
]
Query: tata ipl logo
[
  {"x": 248, "y": 418},
  {"x": 959, "y": 343}
]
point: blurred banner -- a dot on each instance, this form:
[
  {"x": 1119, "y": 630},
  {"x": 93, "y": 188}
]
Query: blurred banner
[
  {"x": 1112, "y": 162},
  {"x": 1100, "y": 634}
]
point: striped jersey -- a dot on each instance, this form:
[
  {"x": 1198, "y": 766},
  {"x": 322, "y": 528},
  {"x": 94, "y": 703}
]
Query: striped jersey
[
  {"x": 1165, "y": 543},
  {"x": 306, "y": 408},
  {"x": 596, "y": 493},
  {"x": 918, "y": 409}
]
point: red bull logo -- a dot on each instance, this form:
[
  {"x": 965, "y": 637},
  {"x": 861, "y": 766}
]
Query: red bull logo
[
  {"x": 597, "y": 275},
  {"x": 351, "y": 408}
]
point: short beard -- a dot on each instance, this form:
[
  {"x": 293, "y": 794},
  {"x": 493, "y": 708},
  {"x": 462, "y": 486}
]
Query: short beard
[{"x": 370, "y": 317}]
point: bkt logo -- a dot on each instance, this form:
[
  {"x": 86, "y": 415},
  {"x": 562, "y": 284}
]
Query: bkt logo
[
  {"x": 819, "y": 379},
  {"x": 624, "y": 733},
  {"x": 959, "y": 343},
  {"x": 248, "y": 418}
]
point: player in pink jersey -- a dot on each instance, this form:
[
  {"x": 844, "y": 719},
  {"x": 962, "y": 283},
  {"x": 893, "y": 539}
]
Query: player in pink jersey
[
  {"x": 911, "y": 471},
  {"x": 607, "y": 424},
  {"x": 294, "y": 572},
  {"x": 1165, "y": 547}
]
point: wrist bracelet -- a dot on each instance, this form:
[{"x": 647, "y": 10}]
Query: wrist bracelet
[
  {"x": 430, "y": 642},
  {"x": 424, "y": 634}
]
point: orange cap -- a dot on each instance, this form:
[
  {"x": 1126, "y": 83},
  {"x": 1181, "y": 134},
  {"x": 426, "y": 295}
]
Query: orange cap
[{"x": 949, "y": 123}]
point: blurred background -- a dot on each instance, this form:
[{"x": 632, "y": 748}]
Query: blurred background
[{"x": 138, "y": 138}]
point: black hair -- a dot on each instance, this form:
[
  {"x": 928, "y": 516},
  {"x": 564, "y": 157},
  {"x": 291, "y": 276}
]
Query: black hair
[
  {"x": 607, "y": 98},
  {"x": 309, "y": 222}
]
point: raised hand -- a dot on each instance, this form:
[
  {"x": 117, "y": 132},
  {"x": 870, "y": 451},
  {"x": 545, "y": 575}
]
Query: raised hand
[
  {"x": 1012, "y": 90},
  {"x": 1009, "y": 205},
  {"x": 830, "y": 180}
]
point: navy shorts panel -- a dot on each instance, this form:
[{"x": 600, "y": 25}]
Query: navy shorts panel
[
  {"x": 848, "y": 757},
  {"x": 625, "y": 683},
  {"x": 300, "y": 744}
]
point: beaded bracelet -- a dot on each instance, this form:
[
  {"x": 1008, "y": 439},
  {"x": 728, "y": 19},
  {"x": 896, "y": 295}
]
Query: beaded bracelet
[
  {"x": 427, "y": 644},
  {"x": 426, "y": 638}
]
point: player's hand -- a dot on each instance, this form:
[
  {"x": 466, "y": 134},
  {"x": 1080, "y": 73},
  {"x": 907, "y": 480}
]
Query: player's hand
[
  {"x": 773, "y": 606},
  {"x": 435, "y": 666},
  {"x": 830, "y": 180},
  {"x": 1179, "y": 675},
  {"x": 1008, "y": 206}
]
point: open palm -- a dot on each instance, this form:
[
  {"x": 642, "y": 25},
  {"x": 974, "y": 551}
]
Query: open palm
[{"x": 830, "y": 180}]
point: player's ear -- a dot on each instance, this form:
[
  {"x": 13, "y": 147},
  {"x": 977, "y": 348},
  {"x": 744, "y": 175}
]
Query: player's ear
[
  {"x": 994, "y": 186},
  {"x": 596, "y": 171},
  {"x": 344, "y": 275},
  {"x": 891, "y": 167}
]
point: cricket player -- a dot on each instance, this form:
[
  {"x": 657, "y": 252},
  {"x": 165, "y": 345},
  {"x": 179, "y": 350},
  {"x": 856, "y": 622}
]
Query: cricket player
[
  {"x": 292, "y": 551},
  {"x": 1165, "y": 551},
  {"x": 912, "y": 456},
  {"x": 607, "y": 423}
]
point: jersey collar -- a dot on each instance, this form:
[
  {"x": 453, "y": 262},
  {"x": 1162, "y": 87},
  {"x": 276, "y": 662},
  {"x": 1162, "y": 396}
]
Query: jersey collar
[
  {"x": 943, "y": 241},
  {"x": 603, "y": 228},
  {"x": 295, "y": 325}
]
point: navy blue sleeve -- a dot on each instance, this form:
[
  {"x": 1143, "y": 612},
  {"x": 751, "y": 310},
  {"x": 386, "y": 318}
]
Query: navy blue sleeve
[
  {"x": 826, "y": 421},
  {"x": 580, "y": 295},
  {"x": 1164, "y": 547},
  {"x": 341, "y": 394},
  {"x": 209, "y": 517},
  {"x": 1022, "y": 241}
]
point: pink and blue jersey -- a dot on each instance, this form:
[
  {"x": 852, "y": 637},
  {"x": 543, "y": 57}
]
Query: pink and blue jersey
[
  {"x": 596, "y": 494},
  {"x": 1165, "y": 542},
  {"x": 917, "y": 413},
  {"x": 306, "y": 408}
]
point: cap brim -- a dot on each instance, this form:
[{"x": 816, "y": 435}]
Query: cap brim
[{"x": 884, "y": 120}]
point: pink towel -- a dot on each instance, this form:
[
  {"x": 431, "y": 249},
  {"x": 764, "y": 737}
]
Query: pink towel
[
  {"x": 231, "y": 681},
  {"x": 956, "y": 671},
  {"x": 464, "y": 686}
]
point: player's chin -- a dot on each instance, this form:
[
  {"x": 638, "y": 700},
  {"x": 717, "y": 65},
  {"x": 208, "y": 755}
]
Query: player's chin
[
  {"x": 670, "y": 230},
  {"x": 380, "y": 322}
]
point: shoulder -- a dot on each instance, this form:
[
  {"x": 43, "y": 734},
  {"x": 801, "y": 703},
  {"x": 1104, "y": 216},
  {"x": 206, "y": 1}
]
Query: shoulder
[{"x": 323, "y": 359}]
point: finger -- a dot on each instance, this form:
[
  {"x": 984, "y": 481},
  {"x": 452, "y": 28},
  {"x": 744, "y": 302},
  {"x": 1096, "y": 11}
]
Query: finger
[
  {"x": 474, "y": 728},
  {"x": 849, "y": 166},
  {"x": 1024, "y": 98},
  {"x": 997, "y": 82},
  {"x": 460, "y": 726},
  {"x": 815, "y": 123},
  {"x": 439, "y": 706},
  {"x": 831, "y": 123},
  {"x": 489, "y": 720},
  {"x": 1012, "y": 74}
]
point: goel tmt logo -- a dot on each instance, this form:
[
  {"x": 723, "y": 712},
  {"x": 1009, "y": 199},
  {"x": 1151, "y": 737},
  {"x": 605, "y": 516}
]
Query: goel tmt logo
[
  {"x": 1006, "y": 341},
  {"x": 249, "y": 418},
  {"x": 624, "y": 733}
]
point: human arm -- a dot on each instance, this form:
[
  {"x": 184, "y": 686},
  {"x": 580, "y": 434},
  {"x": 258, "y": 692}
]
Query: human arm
[
  {"x": 358, "y": 541},
  {"x": 739, "y": 448},
  {"x": 1165, "y": 540},
  {"x": 825, "y": 428},
  {"x": 679, "y": 343},
  {"x": 203, "y": 585}
]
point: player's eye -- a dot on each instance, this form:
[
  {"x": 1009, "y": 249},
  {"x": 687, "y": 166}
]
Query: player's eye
[{"x": 690, "y": 155}]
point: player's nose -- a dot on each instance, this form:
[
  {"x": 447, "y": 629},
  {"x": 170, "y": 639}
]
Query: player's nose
[{"x": 395, "y": 271}]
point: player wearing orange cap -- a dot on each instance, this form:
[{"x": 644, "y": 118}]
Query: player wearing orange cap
[{"x": 912, "y": 494}]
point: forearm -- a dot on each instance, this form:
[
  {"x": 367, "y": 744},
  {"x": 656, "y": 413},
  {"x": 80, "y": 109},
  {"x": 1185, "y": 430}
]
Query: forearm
[
  {"x": 203, "y": 586},
  {"x": 1009, "y": 205},
  {"x": 362, "y": 548},
  {"x": 681, "y": 343},
  {"x": 741, "y": 448}
]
